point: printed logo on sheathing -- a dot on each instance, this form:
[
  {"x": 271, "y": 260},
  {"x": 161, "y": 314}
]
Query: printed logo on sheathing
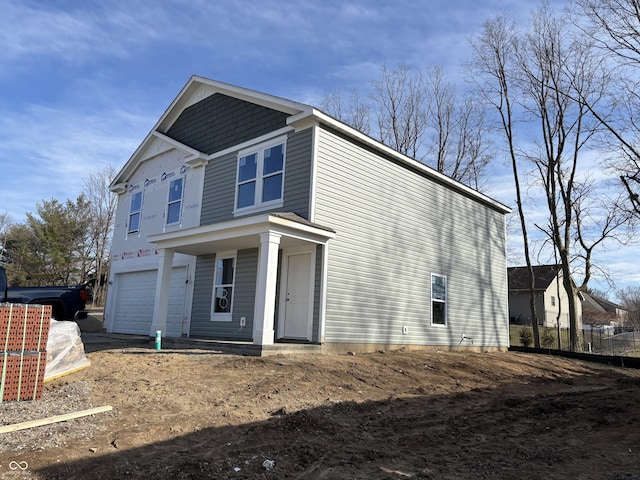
[{"x": 167, "y": 175}]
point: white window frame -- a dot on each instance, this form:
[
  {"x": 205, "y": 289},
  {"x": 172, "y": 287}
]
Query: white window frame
[
  {"x": 259, "y": 150},
  {"x": 223, "y": 316},
  {"x": 138, "y": 212},
  {"x": 172, "y": 202},
  {"x": 445, "y": 301}
]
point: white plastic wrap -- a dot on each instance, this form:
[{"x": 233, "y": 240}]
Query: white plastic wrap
[{"x": 65, "y": 350}]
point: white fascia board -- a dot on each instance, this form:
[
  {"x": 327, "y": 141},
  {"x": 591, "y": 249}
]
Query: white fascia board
[
  {"x": 277, "y": 103},
  {"x": 198, "y": 88},
  {"x": 129, "y": 167},
  {"x": 239, "y": 228},
  {"x": 306, "y": 119},
  {"x": 302, "y": 228},
  {"x": 194, "y": 157}
]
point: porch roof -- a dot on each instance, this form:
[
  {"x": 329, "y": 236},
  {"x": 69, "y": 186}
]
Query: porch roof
[{"x": 243, "y": 233}]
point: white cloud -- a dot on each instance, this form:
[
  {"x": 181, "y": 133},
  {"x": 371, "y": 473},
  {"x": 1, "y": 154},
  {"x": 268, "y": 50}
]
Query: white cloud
[{"x": 46, "y": 152}]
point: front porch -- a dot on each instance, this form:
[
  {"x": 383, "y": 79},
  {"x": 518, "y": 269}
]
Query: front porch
[{"x": 281, "y": 295}]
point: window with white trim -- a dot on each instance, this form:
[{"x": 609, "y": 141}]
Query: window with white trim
[
  {"x": 135, "y": 210},
  {"x": 438, "y": 300},
  {"x": 260, "y": 177},
  {"x": 223, "y": 285},
  {"x": 174, "y": 203}
]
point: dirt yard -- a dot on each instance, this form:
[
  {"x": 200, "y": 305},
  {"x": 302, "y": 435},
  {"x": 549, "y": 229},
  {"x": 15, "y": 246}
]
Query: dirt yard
[{"x": 194, "y": 414}]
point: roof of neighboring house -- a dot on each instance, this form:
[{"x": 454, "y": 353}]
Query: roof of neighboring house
[
  {"x": 544, "y": 275},
  {"x": 589, "y": 304},
  {"x": 596, "y": 303}
]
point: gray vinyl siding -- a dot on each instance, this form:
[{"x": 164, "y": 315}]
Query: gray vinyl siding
[
  {"x": 394, "y": 228},
  {"x": 219, "y": 122},
  {"x": 202, "y": 294},
  {"x": 243, "y": 298},
  {"x": 297, "y": 174},
  {"x": 218, "y": 196}
]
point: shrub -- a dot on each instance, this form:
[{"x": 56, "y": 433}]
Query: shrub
[
  {"x": 525, "y": 337},
  {"x": 547, "y": 340}
]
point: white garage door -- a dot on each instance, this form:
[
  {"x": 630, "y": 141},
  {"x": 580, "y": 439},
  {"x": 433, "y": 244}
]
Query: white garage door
[{"x": 135, "y": 293}]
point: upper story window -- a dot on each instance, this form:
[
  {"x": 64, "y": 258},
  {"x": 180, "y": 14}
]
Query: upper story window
[
  {"x": 260, "y": 178},
  {"x": 174, "y": 206},
  {"x": 134, "y": 212},
  {"x": 553, "y": 301},
  {"x": 438, "y": 300}
]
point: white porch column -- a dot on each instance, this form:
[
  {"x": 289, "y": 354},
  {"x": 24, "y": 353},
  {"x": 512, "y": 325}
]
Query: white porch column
[
  {"x": 163, "y": 285},
  {"x": 265, "y": 302},
  {"x": 323, "y": 291}
]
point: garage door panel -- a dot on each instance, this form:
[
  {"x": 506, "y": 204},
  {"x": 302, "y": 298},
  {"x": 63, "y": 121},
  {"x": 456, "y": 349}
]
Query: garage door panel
[{"x": 135, "y": 294}]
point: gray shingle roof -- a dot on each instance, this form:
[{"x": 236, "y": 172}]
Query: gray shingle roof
[{"x": 544, "y": 275}]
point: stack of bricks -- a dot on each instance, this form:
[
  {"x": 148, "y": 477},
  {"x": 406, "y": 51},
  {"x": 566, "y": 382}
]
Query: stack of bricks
[{"x": 24, "y": 330}]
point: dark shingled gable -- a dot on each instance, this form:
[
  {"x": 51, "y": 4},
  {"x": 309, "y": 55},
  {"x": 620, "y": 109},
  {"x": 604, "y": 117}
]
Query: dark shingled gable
[
  {"x": 220, "y": 122},
  {"x": 544, "y": 275}
]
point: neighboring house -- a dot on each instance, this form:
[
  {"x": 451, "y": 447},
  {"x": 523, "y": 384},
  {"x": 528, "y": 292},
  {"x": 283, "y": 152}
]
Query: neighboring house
[
  {"x": 597, "y": 311},
  {"x": 552, "y": 300},
  {"x": 252, "y": 218}
]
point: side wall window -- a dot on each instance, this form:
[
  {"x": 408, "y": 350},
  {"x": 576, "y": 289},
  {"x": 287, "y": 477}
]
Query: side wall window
[
  {"x": 174, "y": 207},
  {"x": 134, "y": 212},
  {"x": 260, "y": 178},
  {"x": 223, "y": 283},
  {"x": 438, "y": 300}
]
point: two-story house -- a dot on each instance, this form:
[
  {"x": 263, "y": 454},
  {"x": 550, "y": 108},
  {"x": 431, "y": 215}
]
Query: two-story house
[
  {"x": 552, "y": 299},
  {"x": 248, "y": 217}
]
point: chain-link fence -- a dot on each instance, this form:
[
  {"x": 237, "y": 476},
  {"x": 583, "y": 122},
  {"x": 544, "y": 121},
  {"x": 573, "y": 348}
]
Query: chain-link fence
[
  {"x": 618, "y": 341},
  {"x": 617, "y": 344}
]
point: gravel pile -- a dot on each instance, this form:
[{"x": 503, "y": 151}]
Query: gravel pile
[{"x": 58, "y": 399}]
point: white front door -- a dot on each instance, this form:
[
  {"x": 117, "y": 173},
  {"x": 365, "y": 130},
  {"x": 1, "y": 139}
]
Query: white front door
[{"x": 297, "y": 297}]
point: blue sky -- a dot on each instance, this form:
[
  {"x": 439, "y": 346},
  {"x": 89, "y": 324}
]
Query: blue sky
[{"x": 83, "y": 82}]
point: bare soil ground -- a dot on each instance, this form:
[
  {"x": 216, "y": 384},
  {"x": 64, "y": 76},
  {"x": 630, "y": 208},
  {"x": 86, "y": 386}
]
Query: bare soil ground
[{"x": 194, "y": 414}]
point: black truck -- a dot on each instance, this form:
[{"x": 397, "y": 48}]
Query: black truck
[{"x": 68, "y": 303}]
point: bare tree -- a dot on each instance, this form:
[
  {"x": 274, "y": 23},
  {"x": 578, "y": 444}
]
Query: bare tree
[
  {"x": 353, "y": 111},
  {"x": 615, "y": 27},
  {"x": 458, "y": 141},
  {"x": 556, "y": 80},
  {"x": 630, "y": 299},
  {"x": 101, "y": 215},
  {"x": 492, "y": 68},
  {"x": 401, "y": 110},
  {"x": 558, "y": 73},
  {"x": 421, "y": 115}
]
